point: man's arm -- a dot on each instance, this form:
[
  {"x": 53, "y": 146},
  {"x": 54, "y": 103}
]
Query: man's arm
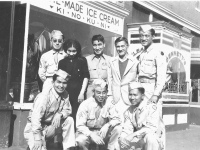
[
  {"x": 67, "y": 109},
  {"x": 42, "y": 69},
  {"x": 110, "y": 77},
  {"x": 161, "y": 65},
  {"x": 81, "y": 119},
  {"x": 39, "y": 108}
]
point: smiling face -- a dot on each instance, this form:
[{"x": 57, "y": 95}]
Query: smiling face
[
  {"x": 121, "y": 48},
  {"x": 146, "y": 38},
  {"x": 60, "y": 84},
  {"x": 135, "y": 97},
  {"x": 100, "y": 94},
  {"x": 98, "y": 47},
  {"x": 57, "y": 42},
  {"x": 71, "y": 51}
]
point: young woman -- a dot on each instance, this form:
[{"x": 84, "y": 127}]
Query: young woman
[{"x": 77, "y": 67}]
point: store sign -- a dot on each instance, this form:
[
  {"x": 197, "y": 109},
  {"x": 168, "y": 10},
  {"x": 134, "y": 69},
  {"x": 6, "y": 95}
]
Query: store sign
[
  {"x": 83, "y": 13},
  {"x": 176, "y": 54}
]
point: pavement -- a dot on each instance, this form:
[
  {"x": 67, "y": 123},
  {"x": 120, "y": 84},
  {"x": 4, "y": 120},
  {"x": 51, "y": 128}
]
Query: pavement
[{"x": 188, "y": 139}]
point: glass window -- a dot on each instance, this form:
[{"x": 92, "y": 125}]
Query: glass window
[{"x": 41, "y": 24}]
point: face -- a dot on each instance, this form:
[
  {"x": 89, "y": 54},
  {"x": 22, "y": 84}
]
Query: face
[
  {"x": 57, "y": 42},
  {"x": 60, "y": 85},
  {"x": 146, "y": 38},
  {"x": 100, "y": 94},
  {"x": 71, "y": 52},
  {"x": 121, "y": 48},
  {"x": 98, "y": 47},
  {"x": 135, "y": 97}
]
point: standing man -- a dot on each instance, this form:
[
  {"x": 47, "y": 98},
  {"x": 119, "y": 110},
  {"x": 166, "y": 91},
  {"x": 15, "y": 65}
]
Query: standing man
[
  {"x": 97, "y": 62},
  {"x": 50, "y": 113},
  {"x": 152, "y": 67},
  {"x": 97, "y": 120},
  {"x": 49, "y": 60},
  {"x": 123, "y": 69},
  {"x": 140, "y": 128}
]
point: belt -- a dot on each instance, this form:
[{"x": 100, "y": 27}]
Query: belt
[{"x": 146, "y": 80}]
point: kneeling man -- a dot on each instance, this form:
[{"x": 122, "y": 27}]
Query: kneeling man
[
  {"x": 50, "y": 115},
  {"x": 97, "y": 120},
  {"x": 141, "y": 122}
]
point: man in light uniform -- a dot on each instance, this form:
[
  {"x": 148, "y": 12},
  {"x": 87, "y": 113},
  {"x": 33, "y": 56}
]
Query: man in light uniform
[
  {"x": 97, "y": 62},
  {"x": 141, "y": 120},
  {"x": 97, "y": 119},
  {"x": 152, "y": 67},
  {"x": 50, "y": 116},
  {"x": 49, "y": 60}
]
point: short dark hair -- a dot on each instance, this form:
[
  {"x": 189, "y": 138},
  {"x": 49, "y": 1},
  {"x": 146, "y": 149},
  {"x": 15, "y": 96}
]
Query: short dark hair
[
  {"x": 119, "y": 39},
  {"x": 141, "y": 90},
  {"x": 72, "y": 42},
  {"x": 55, "y": 77},
  {"x": 98, "y": 37}
]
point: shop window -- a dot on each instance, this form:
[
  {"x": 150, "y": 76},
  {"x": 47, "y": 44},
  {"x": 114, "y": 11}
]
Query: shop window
[{"x": 41, "y": 24}]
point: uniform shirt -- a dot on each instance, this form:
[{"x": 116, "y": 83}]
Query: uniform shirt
[
  {"x": 98, "y": 66},
  {"x": 145, "y": 114},
  {"x": 45, "y": 106},
  {"x": 87, "y": 119},
  {"x": 153, "y": 65},
  {"x": 47, "y": 64}
]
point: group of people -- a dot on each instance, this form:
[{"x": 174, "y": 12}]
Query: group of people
[{"x": 112, "y": 102}]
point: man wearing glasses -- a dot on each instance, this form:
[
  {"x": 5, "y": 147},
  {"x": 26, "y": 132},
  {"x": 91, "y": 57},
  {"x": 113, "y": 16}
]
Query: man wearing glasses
[
  {"x": 97, "y": 62},
  {"x": 49, "y": 60}
]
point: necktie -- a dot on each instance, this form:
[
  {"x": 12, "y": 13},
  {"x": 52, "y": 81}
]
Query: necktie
[{"x": 56, "y": 57}]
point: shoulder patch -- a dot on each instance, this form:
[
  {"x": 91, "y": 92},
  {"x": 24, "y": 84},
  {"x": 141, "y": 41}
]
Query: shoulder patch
[{"x": 161, "y": 53}]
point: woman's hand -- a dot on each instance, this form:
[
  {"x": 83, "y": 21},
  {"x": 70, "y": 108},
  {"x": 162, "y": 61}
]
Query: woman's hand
[{"x": 81, "y": 97}]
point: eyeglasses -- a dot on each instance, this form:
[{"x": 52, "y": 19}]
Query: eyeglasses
[{"x": 57, "y": 40}]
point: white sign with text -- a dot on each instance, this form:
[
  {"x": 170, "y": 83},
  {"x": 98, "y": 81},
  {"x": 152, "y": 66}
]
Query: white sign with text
[{"x": 84, "y": 13}]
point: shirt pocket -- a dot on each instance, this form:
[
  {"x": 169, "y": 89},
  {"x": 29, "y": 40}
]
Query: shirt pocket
[
  {"x": 149, "y": 67},
  {"x": 91, "y": 120},
  {"x": 93, "y": 71},
  {"x": 51, "y": 66}
]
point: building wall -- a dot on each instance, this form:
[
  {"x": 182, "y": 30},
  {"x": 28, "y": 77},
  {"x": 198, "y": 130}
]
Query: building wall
[{"x": 185, "y": 9}]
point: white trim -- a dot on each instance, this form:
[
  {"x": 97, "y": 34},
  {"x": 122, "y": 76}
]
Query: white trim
[
  {"x": 22, "y": 106},
  {"x": 153, "y": 6},
  {"x": 25, "y": 52},
  {"x": 176, "y": 105},
  {"x": 196, "y": 106}
]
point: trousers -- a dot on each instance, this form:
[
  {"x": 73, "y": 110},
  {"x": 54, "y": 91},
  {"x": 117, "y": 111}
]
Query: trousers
[
  {"x": 110, "y": 140},
  {"x": 66, "y": 127}
]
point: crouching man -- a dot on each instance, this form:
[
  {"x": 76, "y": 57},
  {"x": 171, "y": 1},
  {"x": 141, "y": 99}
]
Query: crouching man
[
  {"x": 141, "y": 121},
  {"x": 50, "y": 115},
  {"x": 97, "y": 120}
]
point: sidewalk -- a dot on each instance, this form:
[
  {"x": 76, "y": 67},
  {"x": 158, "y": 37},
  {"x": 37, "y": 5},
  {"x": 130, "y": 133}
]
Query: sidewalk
[{"x": 177, "y": 140}]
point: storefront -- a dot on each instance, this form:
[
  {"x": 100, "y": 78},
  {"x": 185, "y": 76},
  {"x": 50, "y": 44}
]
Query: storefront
[
  {"x": 32, "y": 25},
  {"x": 177, "y": 48}
]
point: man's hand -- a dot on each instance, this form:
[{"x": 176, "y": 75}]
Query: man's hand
[
  {"x": 81, "y": 97},
  {"x": 96, "y": 138},
  {"x": 124, "y": 143},
  {"x": 154, "y": 99},
  {"x": 56, "y": 120},
  {"x": 104, "y": 130},
  {"x": 37, "y": 145}
]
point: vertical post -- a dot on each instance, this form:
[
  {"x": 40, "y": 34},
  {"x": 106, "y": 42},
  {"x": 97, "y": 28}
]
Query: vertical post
[
  {"x": 25, "y": 52},
  {"x": 151, "y": 17},
  {"x": 10, "y": 48}
]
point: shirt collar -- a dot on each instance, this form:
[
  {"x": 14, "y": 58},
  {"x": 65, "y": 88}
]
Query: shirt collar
[
  {"x": 102, "y": 56},
  {"x": 123, "y": 60},
  {"x": 56, "y": 94},
  {"x": 150, "y": 48},
  {"x": 60, "y": 52}
]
